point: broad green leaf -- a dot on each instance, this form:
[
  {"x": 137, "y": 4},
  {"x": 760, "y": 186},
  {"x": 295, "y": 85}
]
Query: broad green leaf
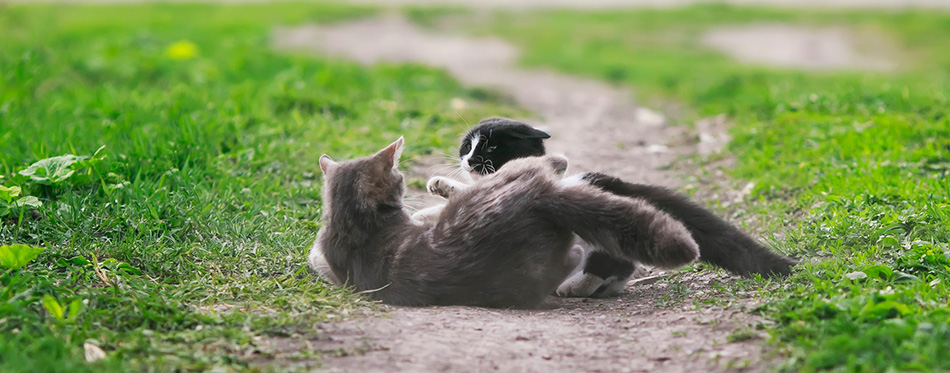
[
  {"x": 74, "y": 308},
  {"x": 29, "y": 201},
  {"x": 52, "y": 170},
  {"x": 79, "y": 260},
  {"x": 90, "y": 161},
  {"x": 879, "y": 271},
  {"x": 9, "y": 193},
  {"x": 125, "y": 267},
  {"x": 16, "y": 256},
  {"x": 53, "y": 307},
  {"x": 886, "y": 309}
]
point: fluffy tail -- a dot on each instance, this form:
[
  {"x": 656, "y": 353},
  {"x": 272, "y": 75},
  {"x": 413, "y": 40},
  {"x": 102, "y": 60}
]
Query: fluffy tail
[
  {"x": 720, "y": 243},
  {"x": 627, "y": 228}
]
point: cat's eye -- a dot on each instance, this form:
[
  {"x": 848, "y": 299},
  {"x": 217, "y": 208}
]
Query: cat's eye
[{"x": 492, "y": 148}]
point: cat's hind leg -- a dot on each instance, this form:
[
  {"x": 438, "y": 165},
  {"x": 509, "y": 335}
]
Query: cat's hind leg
[{"x": 627, "y": 228}]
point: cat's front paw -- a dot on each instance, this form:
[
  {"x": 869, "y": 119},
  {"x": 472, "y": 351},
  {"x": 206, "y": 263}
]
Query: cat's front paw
[
  {"x": 579, "y": 284},
  {"x": 440, "y": 186}
]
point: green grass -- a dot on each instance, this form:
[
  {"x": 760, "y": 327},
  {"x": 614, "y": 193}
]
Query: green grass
[
  {"x": 853, "y": 168},
  {"x": 206, "y": 192}
]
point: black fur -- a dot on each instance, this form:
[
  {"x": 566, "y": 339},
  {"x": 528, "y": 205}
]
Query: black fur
[
  {"x": 720, "y": 243},
  {"x": 602, "y": 265},
  {"x": 501, "y": 141}
]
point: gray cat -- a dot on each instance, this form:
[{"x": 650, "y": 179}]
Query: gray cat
[{"x": 505, "y": 241}]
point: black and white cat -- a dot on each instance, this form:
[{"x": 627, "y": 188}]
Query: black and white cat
[{"x": 496, "y": 141}]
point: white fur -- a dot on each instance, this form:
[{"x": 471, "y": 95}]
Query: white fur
[
  {"x": 580, "y": 284},
  {"x": 573, "y": 181},
  {"x": 319, "y": 263},
  {"x": 400, "y": 144},
  {"x": 614, "y": 286},
  {"x": 428, "y": 214},
  {"x": 465, "y": 158}
]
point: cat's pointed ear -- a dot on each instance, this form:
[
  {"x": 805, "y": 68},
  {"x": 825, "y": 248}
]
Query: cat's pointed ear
[
  {"x": 528, "y": 132},
  {"x": 391, "y": 153},
  {"x": 326, "y": 163}
]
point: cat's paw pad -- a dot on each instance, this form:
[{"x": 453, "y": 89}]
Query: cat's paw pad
[
  {"x": 440, "y": 186},
  {"x": 579, "y": 285}
]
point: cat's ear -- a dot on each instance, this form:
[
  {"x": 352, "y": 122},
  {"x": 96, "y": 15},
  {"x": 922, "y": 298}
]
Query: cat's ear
[
  {"x": 326, "y": 163},
  {"x": 528, "y": 132},
  {"x": 391, "y": 153}
]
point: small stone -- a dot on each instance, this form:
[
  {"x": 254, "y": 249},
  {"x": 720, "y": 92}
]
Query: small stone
[
  {"x": 649, "y": 117},
  {"x": 856, "y": 275},
  {"x": 657, "y": 148},
  {"x": 93, "y": 352}
]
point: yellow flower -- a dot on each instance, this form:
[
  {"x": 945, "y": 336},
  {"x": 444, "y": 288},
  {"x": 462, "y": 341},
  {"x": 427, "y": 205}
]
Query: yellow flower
[
  {"x": 182, "y": 50},
  {"x": 458, "y": 104}
]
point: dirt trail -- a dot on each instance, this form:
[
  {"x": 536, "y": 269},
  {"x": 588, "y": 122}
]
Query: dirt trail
[
  {"x": 593, "y": 124},
  {"x": 629, "y": 333}
]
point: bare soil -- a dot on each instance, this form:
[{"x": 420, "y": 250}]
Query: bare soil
[{"x": 631, "y": 333}]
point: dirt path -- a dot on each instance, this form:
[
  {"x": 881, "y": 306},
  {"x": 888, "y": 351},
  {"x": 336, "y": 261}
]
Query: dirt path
[
  {"x": 597, "y": 127},
  {"x": 593, "y": 124}
]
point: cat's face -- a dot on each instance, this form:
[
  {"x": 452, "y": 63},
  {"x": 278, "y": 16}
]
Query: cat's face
[
  {"x": 496, "y": 141},
  {"x": 372, "y": 181}
]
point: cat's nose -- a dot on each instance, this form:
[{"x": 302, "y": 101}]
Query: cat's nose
[{"x": 466, "y": 165}]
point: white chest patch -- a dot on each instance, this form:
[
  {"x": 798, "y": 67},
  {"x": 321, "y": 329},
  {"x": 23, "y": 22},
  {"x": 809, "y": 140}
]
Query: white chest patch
[{"x": 573, "y": 181}]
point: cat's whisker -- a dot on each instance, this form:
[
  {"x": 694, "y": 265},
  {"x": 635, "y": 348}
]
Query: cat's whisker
[
  {"x": 440, "y": 168},
  {"x": 443, "y": 156},
  {"x": 448, "y": 155},
  {"x": 464, "y": 129},
  {"x": 457, "y": 174}
]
